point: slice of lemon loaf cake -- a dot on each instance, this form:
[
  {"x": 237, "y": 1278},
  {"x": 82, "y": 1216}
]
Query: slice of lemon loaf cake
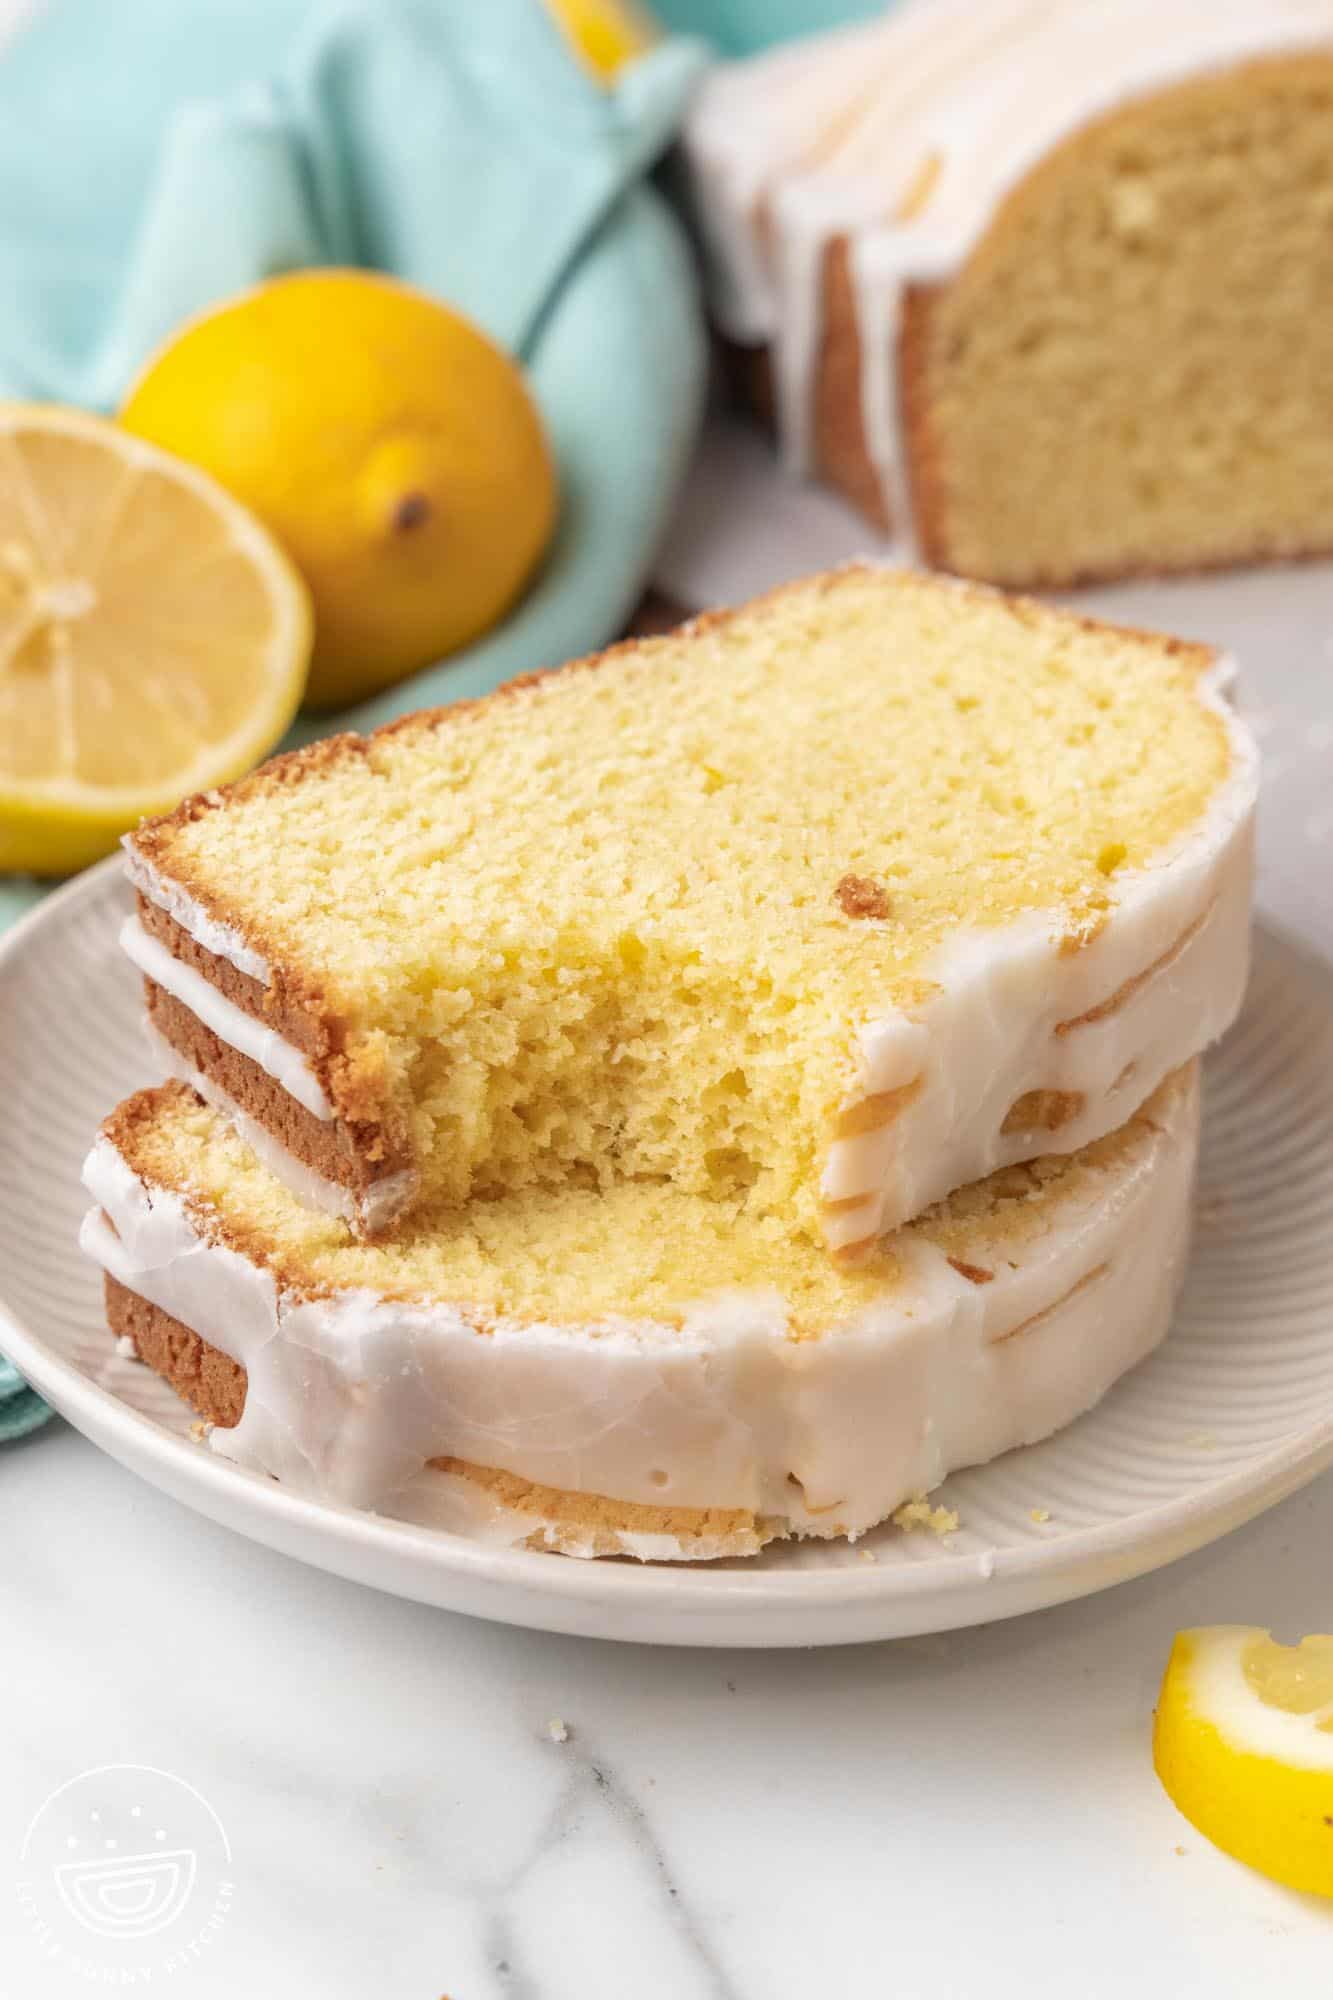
[
  {"x": 827, "y": 906},
  {"x": 1051, "y": 283},
  {"x": 638, "y": 1370}
]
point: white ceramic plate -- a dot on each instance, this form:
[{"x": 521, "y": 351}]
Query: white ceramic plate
[{"x": 1232, "y": 1414}]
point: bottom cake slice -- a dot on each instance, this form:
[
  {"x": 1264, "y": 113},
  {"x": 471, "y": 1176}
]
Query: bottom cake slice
[{"x": 633, "y": 1372}]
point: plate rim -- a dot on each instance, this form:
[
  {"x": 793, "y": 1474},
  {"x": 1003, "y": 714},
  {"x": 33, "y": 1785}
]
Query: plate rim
[{"x": 852, "y": 1601}]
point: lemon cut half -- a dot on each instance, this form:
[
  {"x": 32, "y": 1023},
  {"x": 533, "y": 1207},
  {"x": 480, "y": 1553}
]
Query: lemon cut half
[
  {"x": 153, "y": 637},
  {"x": 1243, "y": 1743}
]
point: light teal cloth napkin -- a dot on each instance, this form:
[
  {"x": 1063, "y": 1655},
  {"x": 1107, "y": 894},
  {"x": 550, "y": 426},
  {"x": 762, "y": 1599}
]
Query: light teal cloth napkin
[
  {"x": 739, "y": 27},
  {"x": 155, "y": 157},
  {"x": 21, "y": 1408},
  {"x": 158, "y": 155}
]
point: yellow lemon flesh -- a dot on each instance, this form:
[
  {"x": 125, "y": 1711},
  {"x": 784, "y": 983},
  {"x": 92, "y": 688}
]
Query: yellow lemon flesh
[
  {"x": 392, "y": 449},
  {"x": 1243, "y": 1743},
  {"x": 606, "y": 33},
  {"x": 153, "y": 637}
]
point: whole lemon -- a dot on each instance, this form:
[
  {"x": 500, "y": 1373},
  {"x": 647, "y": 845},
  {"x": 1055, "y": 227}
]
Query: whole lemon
[{"x": 387, "y": 443}]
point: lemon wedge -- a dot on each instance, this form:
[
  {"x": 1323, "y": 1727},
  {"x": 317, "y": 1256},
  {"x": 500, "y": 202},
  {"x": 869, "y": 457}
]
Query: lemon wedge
[
  {"x": 153, "y": 637},
  {"x": 1243, "y": 1743}
]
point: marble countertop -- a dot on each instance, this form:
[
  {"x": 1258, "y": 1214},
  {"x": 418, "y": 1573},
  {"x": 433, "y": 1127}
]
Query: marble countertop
[
  {"x": 418, "y": 1805},
  {"x": 933, "y": 1818}
]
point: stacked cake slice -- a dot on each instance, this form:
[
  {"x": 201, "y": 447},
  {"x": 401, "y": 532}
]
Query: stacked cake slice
[{"x": 699, "y": 1096}]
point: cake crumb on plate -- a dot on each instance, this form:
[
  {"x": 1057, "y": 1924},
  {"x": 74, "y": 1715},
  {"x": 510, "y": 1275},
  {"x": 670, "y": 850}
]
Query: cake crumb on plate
[{"x": 918, "y": 1513}]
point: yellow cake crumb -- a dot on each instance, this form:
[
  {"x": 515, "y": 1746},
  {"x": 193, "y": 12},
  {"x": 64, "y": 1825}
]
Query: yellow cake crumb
[
  {"x": 628, "y": 921},
  {"x": 919, "y": 1513},
  {"x": 641, "y": 1248}
]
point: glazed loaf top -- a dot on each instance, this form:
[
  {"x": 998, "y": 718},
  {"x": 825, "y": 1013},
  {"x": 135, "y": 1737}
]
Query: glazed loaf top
[{"x": 906, "y": 134}]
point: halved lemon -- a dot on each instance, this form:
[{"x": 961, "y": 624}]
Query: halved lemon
[
  {"x": 1243, "y": 1743},
  {"x": 154, "y": 639}
]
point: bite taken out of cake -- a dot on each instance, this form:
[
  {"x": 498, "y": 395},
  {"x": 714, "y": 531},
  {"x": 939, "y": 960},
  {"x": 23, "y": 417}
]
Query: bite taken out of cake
[
  {"x": 818, "y": 910},
  {"x": 1049, "y": 285},
  {"x": 637, "y": 1371}
]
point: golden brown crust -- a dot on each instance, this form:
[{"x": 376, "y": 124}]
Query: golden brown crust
[
  {"x": 595, "y": 1510},
  {"x": 352, "y": 1155},
  {"x": 1125, "y": 993},
  {"x": 976, "y": 1274},
  {"x": 1043, "y": 1110},
  {"x": 215, "y": 1387},
  {"x": 209, "y": 1381},
  {"x": 152, "y": 842},
  {"x": 1089, "y": 1278},
  {"x": 873, "y": 1113},
  {"x": 315, "y": 1033},
  {"x": 130, "y": 1129},
  {"x": 839, "y": 447},
  {"x": 860, "y": 897},
  {"x": 922, "y": 452},
  {"x": 369, "y": 1128}
]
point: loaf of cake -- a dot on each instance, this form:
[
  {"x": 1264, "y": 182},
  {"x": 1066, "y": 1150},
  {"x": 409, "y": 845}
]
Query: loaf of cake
[
  {"x": 1050, "y": 285},
  {"x": 817, "y": 910},
  {"x": 636, "y": 1369}
]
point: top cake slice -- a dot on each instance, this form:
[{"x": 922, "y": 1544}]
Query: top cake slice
[{"x": 833, "y": 904}]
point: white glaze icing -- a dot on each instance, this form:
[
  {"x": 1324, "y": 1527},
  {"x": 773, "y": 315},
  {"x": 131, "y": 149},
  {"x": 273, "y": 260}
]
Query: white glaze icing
[
  {"x": 223, "y": 940},
  {"x": 289, "y": 1066},
  {"x": 368, "y": 1211},
  {"x": 832, "y": 135},
  {"x": 350, "y": 1396},
  {"x": 991, "y": 1032}
]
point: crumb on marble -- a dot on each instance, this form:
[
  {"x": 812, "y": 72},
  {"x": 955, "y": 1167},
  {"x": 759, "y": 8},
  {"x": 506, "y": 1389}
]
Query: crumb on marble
[
  {"x": 126, "y": 1348},
  {"x": 918, "y": 1513},
  {"x": 1180, "y": 1850},
  {"x": 867, "y": 1555},
  {"x": 199, "y": 1430},
  {"x": 558, "y": 1730},
  {"x": 1040, "y": 1515}
]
